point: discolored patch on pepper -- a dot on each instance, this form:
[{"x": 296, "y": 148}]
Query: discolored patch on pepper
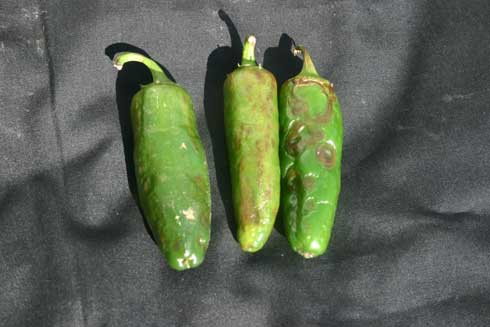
[
  {"x": 176, "y": 245},
  {"x": 269, "y": 97},
  {"x": 201, "y": 183},
  {"x": 291, "y": 177},
  {"x": 300, "y": 106},
  {"x": 325, "y": 152},
  {"x": 258, "y": 75},
  {"x": 299, "y": 138},
  {"x": 297, "y": 107},
  {"x": 162, "y": 240},
  {"x": 196, "y": 142},
  {"x": 267, "y": 192},
  {"x": 242, "y": 133},
  {"x": 309, "y": 182},
  {"x": 306, "y": 81},
  {"x": 326, "y": 115},
  {"x": 293, "y": 139},
  {"x": 309, "y": 205},
  {"x": 248, "y": 210},
  {"x": 261, "y": 146}
]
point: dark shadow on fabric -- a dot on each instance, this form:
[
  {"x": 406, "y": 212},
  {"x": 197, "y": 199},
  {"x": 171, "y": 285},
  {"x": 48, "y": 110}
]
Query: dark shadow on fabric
[
  {"x": 220, "y": 63},
  {"x": 359, "y": 190},
  {"x": 128, "y": 83},
  {"x": 281, "y": 61}
]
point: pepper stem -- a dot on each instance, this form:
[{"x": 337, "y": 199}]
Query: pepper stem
[
  {"x": 156, "y": 72},
  {"x": 248, "y": 55},
  {"x": 308, "y": 66}
]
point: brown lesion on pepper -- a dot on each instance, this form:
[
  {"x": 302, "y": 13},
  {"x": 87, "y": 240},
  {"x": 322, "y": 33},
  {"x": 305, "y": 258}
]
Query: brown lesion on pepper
[
  {"x": 264, "y": 109},
  {"x": 260, "y": 151},
  {"x": 329, "y": 86},
  {"x": 200, "y": 183},
  {"x": 300, "y": 109},
  {"x": 176, "y": 244},
  {"x": 327, "y": 89},
  {"x": 294, "y": 144},
  {"x": 269, "y": 97},
  {"x": 204, "y": 217},
  {"x": 243, "y": 132},
  {"x": 326, "y": 116},
  {"x": 309, "y": 205},
  {"x": 247, "y": 211},
  {"x": 304, "y": 80},
  {"x": 297, "y": 106},
  {"x": 258, "y": 74},
  {"x": 162, "y": 240},
  {"x": 325, "y": 152},
  {"x": 291, "y": 176},
  {"x": 297, "y": 141},
  {"x": 266, "y": 75},
  {"x": 315, "y": 136},
  {"x": 196, "y": 142},
  {"x": 267, "y": 193},
  {"x": 202, "y": 189},
  {"x": 265, "y": 187},
  {"x": 272, "y": 142},
  {"x": 308, "y": 182}
]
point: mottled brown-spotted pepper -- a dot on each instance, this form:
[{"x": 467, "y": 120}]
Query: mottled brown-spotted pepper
[
  {"x": 310, "y": 151},
  {"x": 252, "y": 136}
]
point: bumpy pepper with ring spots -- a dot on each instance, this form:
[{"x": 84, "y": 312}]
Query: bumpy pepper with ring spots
[{"x": 310, "y": 151}]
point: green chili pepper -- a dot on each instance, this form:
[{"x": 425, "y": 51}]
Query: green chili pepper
[
  {"x": 252, "y": 137},
  {"x": 170, "y": 165},
  {"x": 310, "y": 151}
]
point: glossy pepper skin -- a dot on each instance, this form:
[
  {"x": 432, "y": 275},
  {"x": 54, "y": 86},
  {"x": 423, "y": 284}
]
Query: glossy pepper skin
[
  {"x": 252, "y": 137},
  {"x": 171, "y": 168},
  {"x": 311, "y": 152}
]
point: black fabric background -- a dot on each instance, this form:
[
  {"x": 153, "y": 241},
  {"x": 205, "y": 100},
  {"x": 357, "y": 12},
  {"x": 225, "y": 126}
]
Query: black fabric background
[{"x": 411, "y": 243}]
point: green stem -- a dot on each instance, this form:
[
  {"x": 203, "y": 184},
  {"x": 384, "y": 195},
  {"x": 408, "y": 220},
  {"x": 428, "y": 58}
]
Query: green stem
[
  {"x": 308, "y": 66},
  {"x": 156, "y": 72},
  {"x": 248, "y": 55}
]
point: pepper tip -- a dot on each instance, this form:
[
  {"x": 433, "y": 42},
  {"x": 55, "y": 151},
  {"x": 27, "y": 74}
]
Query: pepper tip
[
  {"x": 251, "y": 39},
  {"x": 308, "y": 66},
  {"x": 248, "y": 55},
  {"x": 115, "y": 61},
  {"x": 297, "y": 50}
]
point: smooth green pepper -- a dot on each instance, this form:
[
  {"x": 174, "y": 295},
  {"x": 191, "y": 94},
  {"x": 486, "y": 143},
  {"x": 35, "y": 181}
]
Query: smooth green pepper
[
  {"x": 310, "y": 151},
  {"x": 252, "y": 137},
  {"x": 170, "y": 165}
]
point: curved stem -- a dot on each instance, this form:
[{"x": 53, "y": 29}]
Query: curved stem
[
  {"x": 156, "y": 72},
  {"x": 248, "y": 55},
  {"x": 308, "y": 66}
]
